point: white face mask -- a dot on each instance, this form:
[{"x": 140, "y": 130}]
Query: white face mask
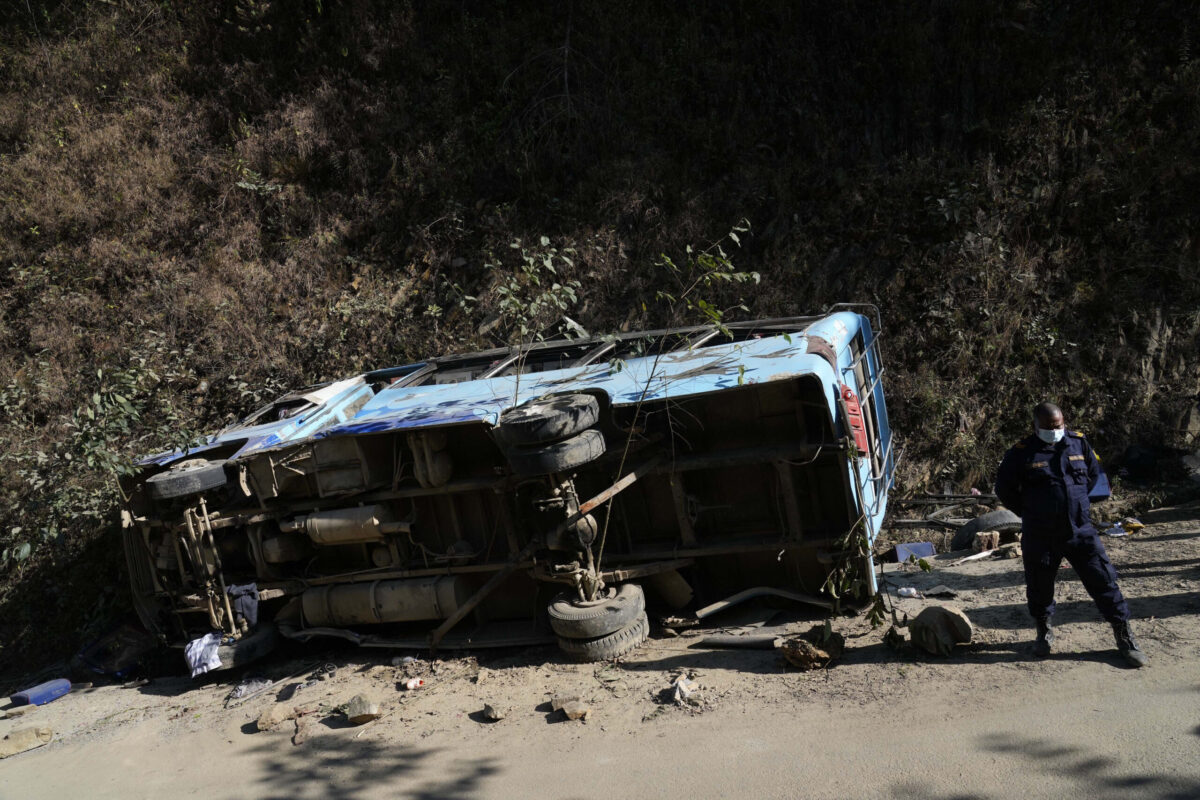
[{"x": 1051, "y": 436}]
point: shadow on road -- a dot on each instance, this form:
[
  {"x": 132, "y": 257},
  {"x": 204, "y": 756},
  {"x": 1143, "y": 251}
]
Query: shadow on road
[
  {"x": 349, "y": 769},
  {"x": 1084, "y": 610},
  {"x": 1090, "y": 775}
]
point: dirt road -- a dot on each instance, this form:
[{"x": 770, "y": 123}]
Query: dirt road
[{"x": 990, "y": 722}]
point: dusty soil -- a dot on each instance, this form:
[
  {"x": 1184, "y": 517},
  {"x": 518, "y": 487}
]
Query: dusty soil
[{"x": 990, "y": 721}]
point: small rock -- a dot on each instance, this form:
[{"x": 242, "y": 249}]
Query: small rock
[
  {"x": 482, "y": 675},
  {"x": 361, "y": 710},
  {"x": 495, "y": 713},
  {"x": 574, "y": 709},
  {"x": 559, "y": 700},
  {"x": 19, "y": 741},
  {"x": 812, "y": 649},
  {"x": 274, "y": 716}
]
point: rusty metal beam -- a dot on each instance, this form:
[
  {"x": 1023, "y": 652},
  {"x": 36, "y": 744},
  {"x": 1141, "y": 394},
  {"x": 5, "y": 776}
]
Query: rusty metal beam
[{"x": 641, "y": 471}]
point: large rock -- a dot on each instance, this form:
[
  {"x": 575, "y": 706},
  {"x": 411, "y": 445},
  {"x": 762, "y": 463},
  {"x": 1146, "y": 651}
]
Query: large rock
[
  {"x": 938, "y": 629},
  {"x": 361, "y": 709}
]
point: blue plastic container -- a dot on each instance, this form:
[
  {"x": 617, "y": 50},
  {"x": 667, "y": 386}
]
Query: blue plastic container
[{"x": 42, "y": 693}]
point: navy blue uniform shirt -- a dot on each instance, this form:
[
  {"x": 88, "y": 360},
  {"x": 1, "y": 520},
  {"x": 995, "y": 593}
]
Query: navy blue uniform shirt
[{"x": 1047, "y": 485}]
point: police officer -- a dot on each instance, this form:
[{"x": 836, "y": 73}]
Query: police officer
[{"x": 1045, "y": 479}]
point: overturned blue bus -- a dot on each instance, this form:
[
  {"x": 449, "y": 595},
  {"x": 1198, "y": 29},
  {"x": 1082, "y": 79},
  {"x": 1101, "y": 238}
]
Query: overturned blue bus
[{"x": 515, "y": 496}]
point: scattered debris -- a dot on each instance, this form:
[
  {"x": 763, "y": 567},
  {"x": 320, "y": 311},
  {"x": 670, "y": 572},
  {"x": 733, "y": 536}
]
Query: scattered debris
[
  {"x": 482, "y": 676},
  {"x": 907, "y": 591},
  {"x": 974, "y": 557},
  {"x": 941, "y": 590},
  {"x": 286, "y": 693},
  {"x": 19, "y": 741},
  {"x": 938, "y": 629},
  {"x": 683, "y": 691},
  {"x": 817, "y": 648},
  {"x": 494, "y": 712},
  {"x": 986, "y": 540},
  {"x": 1132, "y": 524},
  {"x": 400, "y": 661},
  {"x": 136, "y": 684},
  {"x": 575, "y": 709},
  {"x": 914, "y": 550},
  {"x": 414, "y": 683},
  {"x": 274, "y": 716},
  {"x": 361, "y": 710},
  {"x": 250, "y": 685}
]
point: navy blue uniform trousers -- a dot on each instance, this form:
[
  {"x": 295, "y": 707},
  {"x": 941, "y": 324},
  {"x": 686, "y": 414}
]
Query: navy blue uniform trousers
[{"x": 1043, "y": 554}]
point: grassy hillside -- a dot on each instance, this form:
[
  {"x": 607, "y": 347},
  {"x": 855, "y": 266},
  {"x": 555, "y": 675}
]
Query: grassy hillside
[{"x": 203, "y": 203}]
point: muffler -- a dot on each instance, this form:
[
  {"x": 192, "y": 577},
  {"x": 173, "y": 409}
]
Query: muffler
[
  {"x": 346, "y": 525},
  {"x": 409, "y": 600}
]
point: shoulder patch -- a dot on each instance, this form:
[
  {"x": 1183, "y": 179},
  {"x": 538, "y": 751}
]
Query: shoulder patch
[{"x": 1076, "y": 434}]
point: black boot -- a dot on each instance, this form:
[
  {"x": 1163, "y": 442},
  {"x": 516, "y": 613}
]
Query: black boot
[
  {"x": 1045, "y": 638},
  {"x": 1128, "y": 646}
]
